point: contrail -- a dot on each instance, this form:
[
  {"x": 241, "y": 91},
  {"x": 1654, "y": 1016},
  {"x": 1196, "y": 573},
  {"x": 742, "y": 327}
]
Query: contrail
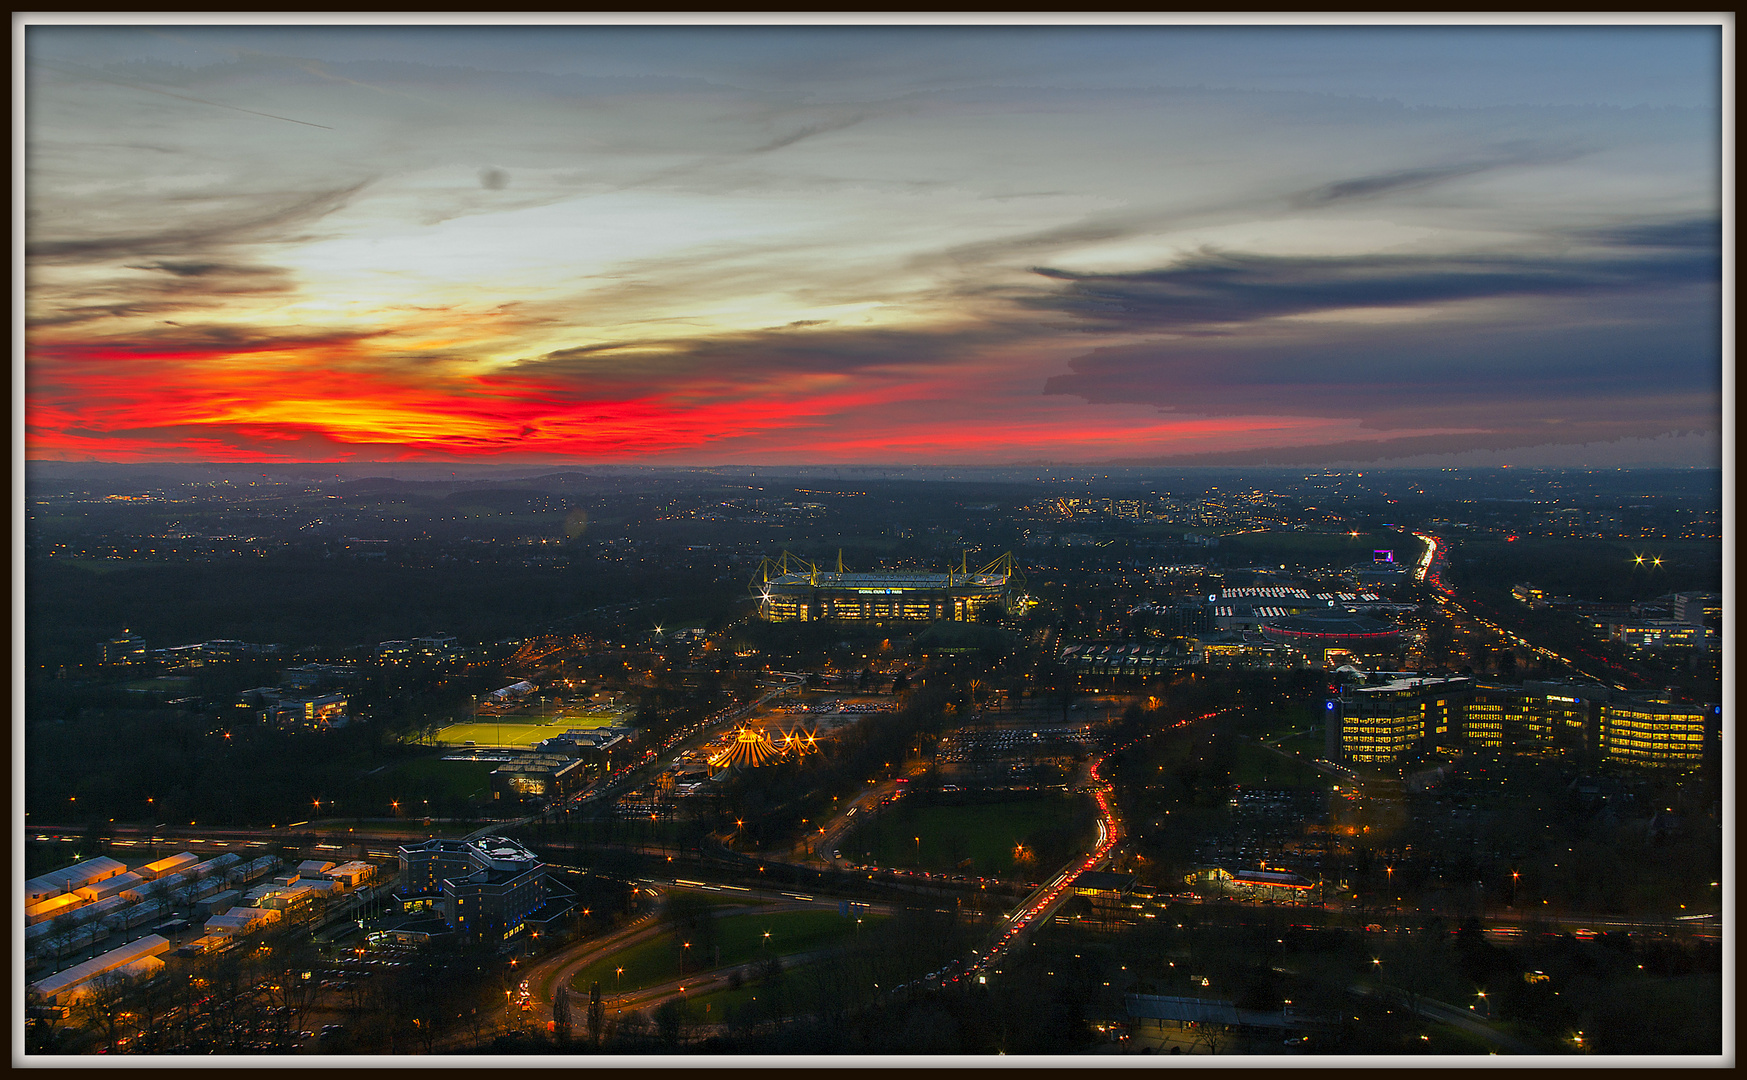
[{"x": 182, "y": 97}]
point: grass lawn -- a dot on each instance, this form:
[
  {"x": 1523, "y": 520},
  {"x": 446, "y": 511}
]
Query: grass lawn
[
  {"x": 456, "y": 779},
  {"x": 1449, "y": 1039},
  {"x": 523, "y": 731},
  {"x": 986, "y": 834},
  {"x": 1308, "y": 743},
  {"x": 1258, "y": 766},
  {"x": 740, "y": 937},
  {"x": 714, "y": 1007}
]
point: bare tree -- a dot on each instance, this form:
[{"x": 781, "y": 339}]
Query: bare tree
[
  {"x": 45, "y": 1024},
  {"x": 103, "y": 1003},
  {"x": 597, "y": 1015},
  {"x": 230, "y": 976},
  {"x": 150, "y": 1000},
  {"x": 561, "y": 1016},
  {"x": 292, "y": 987},
  {"x": 1213, "y": 1036}
]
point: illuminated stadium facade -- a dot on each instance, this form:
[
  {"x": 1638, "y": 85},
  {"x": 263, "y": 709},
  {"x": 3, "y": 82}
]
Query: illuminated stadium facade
[{"x": 791, "y": 589}]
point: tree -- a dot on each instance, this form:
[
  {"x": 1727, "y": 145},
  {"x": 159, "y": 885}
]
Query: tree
[
  {"x": 694, "y": 921},
  {"x": 1213, "y": 1036},
  {"x": 671, "y": 1021},
  {"x": 151, "y": 999},
  {"x": 44, "y": 1025},
  {"x": 561, "y": 1016},
  {"x": 357, "y": 994},
  {"x": 102, "y": 1005},
  {"x": 291, "y": 982},
  {"x": 230, "y": 976},
  {"x": 597, "y": 1015},
  {"x": 63, "y": 924}
]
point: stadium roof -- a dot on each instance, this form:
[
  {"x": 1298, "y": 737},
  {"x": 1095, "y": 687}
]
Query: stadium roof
[
  {"x": 905, "y": 580},
  {"x": 1331, "y": 628}
]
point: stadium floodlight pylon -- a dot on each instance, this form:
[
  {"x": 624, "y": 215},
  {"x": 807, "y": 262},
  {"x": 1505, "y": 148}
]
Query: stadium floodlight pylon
[
  {"x": 1009, "y": 570},
  {"x": 769, "y": 569}
]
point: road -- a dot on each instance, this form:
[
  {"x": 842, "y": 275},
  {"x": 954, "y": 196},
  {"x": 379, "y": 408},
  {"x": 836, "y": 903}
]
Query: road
[
  {"x": 832, "y": 832},
  {"x": 1427, "y": 571},
  {"x": 544, "y": 978},
  {"x": 553, "y": 973}
]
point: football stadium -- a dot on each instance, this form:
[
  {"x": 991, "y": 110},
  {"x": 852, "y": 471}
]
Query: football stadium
[
  {"x": 791, "y": 589},
  {"x": 1333, "y": 630}
]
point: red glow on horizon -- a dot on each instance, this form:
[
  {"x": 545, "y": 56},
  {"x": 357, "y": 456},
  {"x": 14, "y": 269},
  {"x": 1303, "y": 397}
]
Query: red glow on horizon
[{"x": 340, "y": 397}]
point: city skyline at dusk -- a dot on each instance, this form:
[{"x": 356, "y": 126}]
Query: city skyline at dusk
[{"x": 911, "y": 245}]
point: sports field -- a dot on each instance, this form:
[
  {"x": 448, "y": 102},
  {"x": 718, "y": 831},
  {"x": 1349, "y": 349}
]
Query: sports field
[{"x": 522, "y": 731}]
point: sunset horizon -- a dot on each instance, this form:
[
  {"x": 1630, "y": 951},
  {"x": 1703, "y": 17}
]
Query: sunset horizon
[{"x": 955, "y": 245}]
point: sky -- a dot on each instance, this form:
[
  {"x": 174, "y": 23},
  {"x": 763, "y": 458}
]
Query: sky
[{"x": 695, "y": 245}]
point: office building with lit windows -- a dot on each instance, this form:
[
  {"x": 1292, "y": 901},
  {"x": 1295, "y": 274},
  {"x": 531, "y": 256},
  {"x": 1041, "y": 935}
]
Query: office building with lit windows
[
  {"x": 481, "y": 887},
  {"x": 1543, "y": 719},
  {"x": 1392, "y": 722},
  {"x": 1493, "y": 717},
  {"x": 1658, "y": 734}
]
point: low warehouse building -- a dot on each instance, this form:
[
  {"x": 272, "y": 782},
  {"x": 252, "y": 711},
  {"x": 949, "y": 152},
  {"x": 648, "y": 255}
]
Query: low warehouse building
[
  {"x": 64, "y": 987},
  {"x": 170, "y": 865},
  {"x": 77, "y": 876}
]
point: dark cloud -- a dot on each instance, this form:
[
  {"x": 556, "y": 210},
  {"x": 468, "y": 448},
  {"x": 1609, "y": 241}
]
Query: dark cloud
[
  {"x": 1622, "y": 343},
  {"x": 651, "y": 366},
  {"x": 1215, "y": 288},
  {"x": 493, "y": 179},
  {"x": 1088, "y": 231},
  {"x": 206, "y": 269},
  {"x": 178, "y": 287},
  {"x": 1418, "y": 179},
  {"x": 1695, "y": 234},
  {"x": 1411, "y": 446},
  {"x": 1434, "y": 374},
  {"x": 196, "y": 342},
  {"x": 272, "y": 217},
  {"x": 73, "y": 315},
  {"x": 1443, "y": 388},
  {"x": 807, "y": 132}
]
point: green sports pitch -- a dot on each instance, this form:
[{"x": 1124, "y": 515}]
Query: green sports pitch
[{"x": 521, "y": 731}]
